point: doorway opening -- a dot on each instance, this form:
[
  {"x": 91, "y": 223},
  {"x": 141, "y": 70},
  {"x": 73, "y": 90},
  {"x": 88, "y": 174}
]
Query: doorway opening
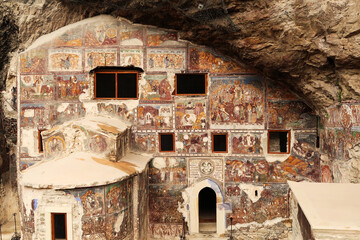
[
  {"x": 207, "y": 210},
  {"x": 58, "y": 221}
]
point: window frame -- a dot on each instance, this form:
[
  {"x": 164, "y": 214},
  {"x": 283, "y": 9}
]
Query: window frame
[
  {"x": 173, "y": 137},
  {"x": 191, "y": 94},
  {"x": 53, "y": 225},
  {"x": 288, "y": 141},
  {"x": 213, "y": 143},
  {"x": 116, "y": 72},
  {"x": 40, "y": 140}
]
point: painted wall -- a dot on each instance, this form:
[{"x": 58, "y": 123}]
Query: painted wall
[{"x": 55, "y": 86}]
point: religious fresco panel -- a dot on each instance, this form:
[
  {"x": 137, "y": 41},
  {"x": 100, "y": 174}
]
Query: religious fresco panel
[
  {"x": 100, "y": 34},
  {"x": 71, "y": 38},
  {"x": 33, "y": 61},
  {"x": 246, "y": 143},
  {"x": 165, "y": 199},
  {"x": 290, "y": 114},
  {"x": 192, "y": 143},
  {"x": 34, "y": 115},
  {"x": 166, "y": 59},
  {"x": 165, "y": 230},
  {"x": 55, "y": 145},
  {"x": 167, "y": 170},
  {"x": 131, "y": 57},
  {"x": 37, "y": 87},
  {"x": 156, "y": 88},
  {"x": 247, "y": 169},
  {"x": 156, "y": 38},
  {"x": 191, "y": 113},
  {"x": 71, "y": 86},
  {"x": 276, "y": 91},
  {"x": 155, "y": 116},
  {"x": 118, "y": 196},
  {"x": 237, "y": 100},
  {"x": 145, "y": 142},
  {"x": 61, "y": 112},
  {"x": 65, "y": 60},
  {"x": 130, "y": 35},
  {"x": 305, "y": 146},
  {"x": 122, "y": 229},
  {"x": 207, "y": 60},
  {"x": 120, "y": 111},
  {"x": 93, "y": 227},
  {"x": 100, "y": 57},
  {"x": 326, "y": 174},
  {"x": 92, "y": 200},
  {"x": 272, "y": 202}
]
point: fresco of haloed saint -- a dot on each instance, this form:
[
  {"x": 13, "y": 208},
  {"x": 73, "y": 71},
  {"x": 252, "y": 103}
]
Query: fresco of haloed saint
[
  {"x": 236, "y": 100},
  {"x": 33, "y": 61},
  {"x": 156, "y": 88},
  {"x": 71, "y": 38},
  {"x": 130, "y": 35},
  {"x": 71, "y": 86},
  {"x": 155, "y": 116},
  {"x": 100, "y": 57},
  {"x": 191, "y": 113},
  {"x": 65, "y": 60},
  {"x": 295, "y": 114},
  {"x": 167, "y": 170},
  {"x": 192, "y": 143},
  {"x": 204, "y": 59},
  {"x": 100, "y": 34},
  {"x": 246, "y": 143},
  {"x": 37, "y": 87},
  {"x": 145, "y": 142},
  {"x": 166, "y": 59},
  {"x": 131, "y": 57}
]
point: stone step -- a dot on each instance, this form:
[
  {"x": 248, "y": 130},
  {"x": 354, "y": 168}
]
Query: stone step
[{"x": 205, "y": 236}]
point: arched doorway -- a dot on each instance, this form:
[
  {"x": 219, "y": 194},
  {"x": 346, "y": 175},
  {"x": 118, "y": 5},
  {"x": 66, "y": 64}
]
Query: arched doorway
[{"x": 207, "y": 210}]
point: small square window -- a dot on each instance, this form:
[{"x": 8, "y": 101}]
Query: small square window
[
  {"x": 166, "y": 142},
  {"x": 58, "y": 223},
  {"x": 191, "y": 84},
  {"x": 116, "y": 85},
  {"x": 278, "y": 141},
  {"x": 40, "y": 141},
  {"x": 219, "y": 142}
]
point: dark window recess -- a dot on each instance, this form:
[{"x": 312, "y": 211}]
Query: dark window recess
[
  {"x": 127, "y": 85},
  {"x": 59, "y": 225},
  {"x": 41, "y": 148},
  {"x": 190, "y": 84},
  {"x": 105, "y": 85},
  {"x": 219, "y": 143},
  {"x": 278, "y": 142},
  {"x": 166, "y": 142}
]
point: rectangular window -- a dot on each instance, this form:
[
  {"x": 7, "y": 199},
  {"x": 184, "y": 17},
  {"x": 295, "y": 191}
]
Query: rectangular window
[
  {"x": 116, "y": 85},
  {"x": 191, "y": 84},
  {"x": 166, "y": 142},
  {"x": 278, "y": 141},
  {"x": 58, "y": 223},
  {"x": 219, "y": 142},
  {"x": 40, "y": 141}
]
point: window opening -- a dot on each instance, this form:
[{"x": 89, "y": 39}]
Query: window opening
[
  {"x": 40, "y": 140},
  {"x": 58, "y": 222},
  {"x": 166, "y": 142},
  {"x": 191, "y": 84},
  {"x": 219, "y": 142},
  {"x": 278, "y": 141}
]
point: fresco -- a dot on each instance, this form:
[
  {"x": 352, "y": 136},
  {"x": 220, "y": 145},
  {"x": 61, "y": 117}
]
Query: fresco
[
  {"x": 191, "y": 113},
  {"x": 164, "y": 230},
  {"x": 145, "y": 142},
  {"x": 273, "y": 203},
  {"x": 33, "y": 115},
  {"x": 65, "y": 59},
  {"x": 305, "y": 146},
  {"x": 118, "y": 196},
  {"x": 125, "y": 230},
  {"x": 59, "y": 113},
  {"x": 33, "y": 61},
  {"x": 71, "y": 86},
  {"x": 55, "y": 145},
  {"x": 161, "y": 38},
  {"x": 208, "y": 60},
  {"x": 100, "y": 34},
  {"x": 156, "y": 89},
  {"x": 130, "y": 35},
  {"x": 98, "y": 143},
  {"x": 120, "y": 111},
  {"x": 131, "y": 57},
  {"x": 276, "y": 91},
  {"x": 200, "y": 168},
  {"x": 326, "y": 174},
  {"x": 93, "y": 227},
  {"x": 165, "y": 59},
  {"x": 167, "y": 170},
  {"x": 37, "y": 87},
  {"x": 164, "y": 199},
  {"x": 155, "y": 116},
  {"x": 259, "y": 170},
  {"x": 192, "y": 143},
  {"x": 237, "y": 100},
  {"x": 336, "y": 143},
  {"x": 290, "y": 114},
  {"x": 246, "y": 143},
  {"x": 71, "y": 38},
  {"x": 100, "y": 57},
  {"x": 334, "y": 117}
]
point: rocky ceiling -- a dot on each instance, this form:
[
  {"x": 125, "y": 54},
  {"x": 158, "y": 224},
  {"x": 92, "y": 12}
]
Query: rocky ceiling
[{"x": 312, "y": 47}]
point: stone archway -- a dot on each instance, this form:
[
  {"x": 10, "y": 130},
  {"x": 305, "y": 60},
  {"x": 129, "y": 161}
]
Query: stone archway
[{"x": 207, "y": 210}]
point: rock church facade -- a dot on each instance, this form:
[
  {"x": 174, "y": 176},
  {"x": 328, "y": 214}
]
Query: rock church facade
[{"x": 112, "y": 166}]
